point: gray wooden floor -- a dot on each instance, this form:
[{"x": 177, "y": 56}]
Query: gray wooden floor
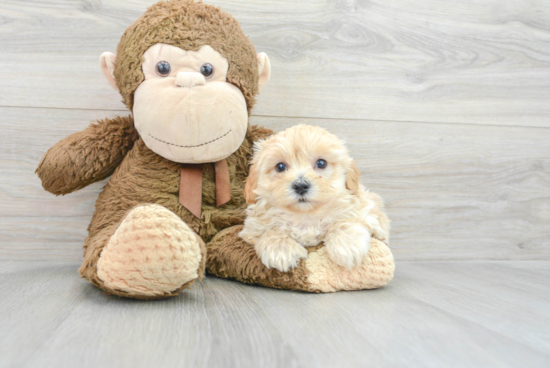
[
  {"x": 433, "y": 314},
  {"x": 445, "y": 108}
]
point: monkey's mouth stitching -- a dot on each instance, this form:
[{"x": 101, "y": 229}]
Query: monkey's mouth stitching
[{"x": 198, "y": 145}]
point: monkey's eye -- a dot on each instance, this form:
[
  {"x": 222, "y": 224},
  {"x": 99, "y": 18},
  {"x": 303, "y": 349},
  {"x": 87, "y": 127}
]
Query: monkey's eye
[
  {"x": 207, "y": 70},
  {"x": 321, "y": 164},
  {"x": 280, "y": 167},
  {"x": 163, "y": 68}
]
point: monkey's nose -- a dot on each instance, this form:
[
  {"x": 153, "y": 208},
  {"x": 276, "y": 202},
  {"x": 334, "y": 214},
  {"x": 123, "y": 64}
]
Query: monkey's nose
[
  {"x": 300, "y": 186},
  {"x": 189, "y": 79}
]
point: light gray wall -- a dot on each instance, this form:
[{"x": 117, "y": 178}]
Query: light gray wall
[{"x": 445, "y": 105}]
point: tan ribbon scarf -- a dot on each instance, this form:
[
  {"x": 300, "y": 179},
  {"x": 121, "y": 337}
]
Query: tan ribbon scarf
[{"x": 191, "y": 186}]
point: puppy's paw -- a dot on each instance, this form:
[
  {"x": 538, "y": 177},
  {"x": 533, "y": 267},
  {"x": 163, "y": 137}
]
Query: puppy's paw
[
  {"x": 347, "y": 245},
  {"x": 282, "y": 253}
]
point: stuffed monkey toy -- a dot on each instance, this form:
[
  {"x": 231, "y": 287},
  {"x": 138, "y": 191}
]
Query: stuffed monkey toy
[{"x": 174, "y": 204}]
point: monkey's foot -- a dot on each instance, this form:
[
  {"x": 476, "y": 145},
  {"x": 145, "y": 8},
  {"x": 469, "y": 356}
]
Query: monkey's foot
[
  {"x": 229, "y": 256},
  {"x": 152, "y": 254}
]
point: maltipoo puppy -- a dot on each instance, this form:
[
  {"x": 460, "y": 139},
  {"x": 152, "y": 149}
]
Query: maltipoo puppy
[{"x": 304, "y": 189}]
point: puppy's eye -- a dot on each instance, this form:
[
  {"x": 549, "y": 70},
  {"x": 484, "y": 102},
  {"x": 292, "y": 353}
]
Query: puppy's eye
[
  {"x": 280, "y": 167},
  {"x": 163, "y": 68},
  {"x": 321, "y": 164},
  {"x": 207, "y": 70}
]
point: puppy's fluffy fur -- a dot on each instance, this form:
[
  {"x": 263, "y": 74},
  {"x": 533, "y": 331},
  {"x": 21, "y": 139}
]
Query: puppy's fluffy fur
[{"x": 336, "y": 209}]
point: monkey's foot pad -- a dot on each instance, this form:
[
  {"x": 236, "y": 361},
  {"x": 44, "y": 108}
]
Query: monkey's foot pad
[{"x": 152, "y": 253}]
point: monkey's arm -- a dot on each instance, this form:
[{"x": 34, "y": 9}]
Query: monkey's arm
[{"x": 87, "y": 156}]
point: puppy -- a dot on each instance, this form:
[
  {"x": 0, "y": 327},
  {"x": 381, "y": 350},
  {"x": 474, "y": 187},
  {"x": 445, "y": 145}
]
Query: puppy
[{"x": 303, "y": 189}]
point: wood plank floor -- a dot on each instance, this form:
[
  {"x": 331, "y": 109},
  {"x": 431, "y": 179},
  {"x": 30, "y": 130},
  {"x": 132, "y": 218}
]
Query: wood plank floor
[{"x": 433, "y": 314}]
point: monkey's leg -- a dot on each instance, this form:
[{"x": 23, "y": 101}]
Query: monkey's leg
[
  {"x": 229, "y": 256},
  {"x": 151, "y": 253}
]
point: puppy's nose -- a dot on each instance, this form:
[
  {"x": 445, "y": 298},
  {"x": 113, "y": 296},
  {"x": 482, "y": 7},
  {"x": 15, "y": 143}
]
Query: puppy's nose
[{"x": 300, "y": 186}]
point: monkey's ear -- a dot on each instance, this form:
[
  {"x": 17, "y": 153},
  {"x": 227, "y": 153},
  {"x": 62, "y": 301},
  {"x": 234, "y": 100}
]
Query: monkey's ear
[
  {"x": 107, "y": 63},
  {"x": 264, "y": 68}
]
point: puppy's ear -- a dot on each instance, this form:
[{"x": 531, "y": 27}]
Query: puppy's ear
[
  {"x": 250, "y": 185},
  {"x": 353, "y": 178}
]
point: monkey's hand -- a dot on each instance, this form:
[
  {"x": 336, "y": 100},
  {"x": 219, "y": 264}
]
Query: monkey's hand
[
  {"x": 278, "y": 250},
  {"x": 87, "y": 156}
]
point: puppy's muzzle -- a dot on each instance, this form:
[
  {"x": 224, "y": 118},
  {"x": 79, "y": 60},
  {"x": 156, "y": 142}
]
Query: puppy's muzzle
[{"x": 301, "y": 186}]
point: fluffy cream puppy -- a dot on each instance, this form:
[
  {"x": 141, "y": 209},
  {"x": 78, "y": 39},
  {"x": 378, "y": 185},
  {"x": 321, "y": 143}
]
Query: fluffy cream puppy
[{"x": 303, "y": 189}]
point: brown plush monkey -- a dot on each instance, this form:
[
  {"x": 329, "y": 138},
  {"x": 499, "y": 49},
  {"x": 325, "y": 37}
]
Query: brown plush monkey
[{"x": 189, "y": 75}]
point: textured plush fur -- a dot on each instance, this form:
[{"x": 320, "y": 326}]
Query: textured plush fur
[
  {"x": 336, "y": 209},
  {"x": 188, "y": 25},
  {"x": 147, "y": 253},
  {"x": 229, "y": 256},
  {"x": 141, "y": 177},
  {"x": 375, "y": 271},
  {"x": 88, "y": 156},
  {"x": 139, "y": 242}
]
